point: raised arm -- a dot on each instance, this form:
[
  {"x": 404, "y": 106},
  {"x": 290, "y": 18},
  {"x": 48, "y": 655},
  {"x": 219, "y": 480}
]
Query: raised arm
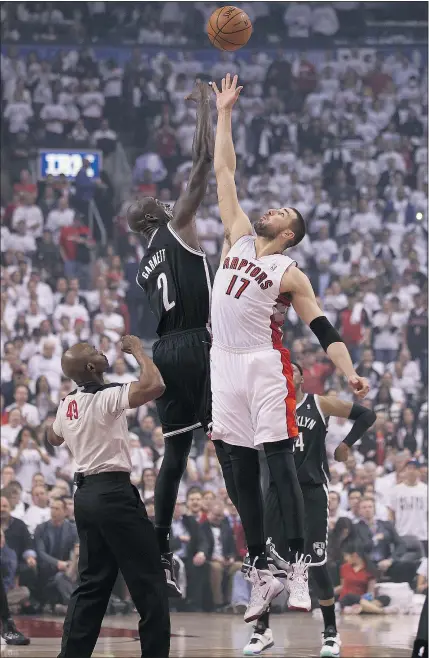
[
  {"x": 150, "y": 385},
  {"x": 202, "y": 159},
  {"x": 235, "y": 221},
  {"x": 361, "y": 417},
  {"x": 305, "y": 304}
]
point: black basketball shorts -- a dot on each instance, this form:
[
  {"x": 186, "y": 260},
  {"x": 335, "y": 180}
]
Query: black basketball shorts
[
  {"x": 316, "y": 522},
  {"x": 183, "y": 359}
]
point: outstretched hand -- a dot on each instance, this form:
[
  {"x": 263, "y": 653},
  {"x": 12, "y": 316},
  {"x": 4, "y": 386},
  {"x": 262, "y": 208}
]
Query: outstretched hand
[
  {"x": 226, "y": 98},
  {"x": 360, "y": 386}
]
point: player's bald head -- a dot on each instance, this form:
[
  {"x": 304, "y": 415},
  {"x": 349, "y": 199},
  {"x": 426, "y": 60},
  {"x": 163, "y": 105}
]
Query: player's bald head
[
  {"x": 147, "y": 214},
  {"x": 82, "y": 362}
]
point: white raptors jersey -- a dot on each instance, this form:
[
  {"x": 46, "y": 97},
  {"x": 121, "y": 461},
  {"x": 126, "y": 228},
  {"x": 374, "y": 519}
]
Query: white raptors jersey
[{"x": 247, "y": 308}]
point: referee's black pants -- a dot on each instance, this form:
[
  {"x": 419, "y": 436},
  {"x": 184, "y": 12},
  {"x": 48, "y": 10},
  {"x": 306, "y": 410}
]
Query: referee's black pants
[{"x": 115, "y": 533}]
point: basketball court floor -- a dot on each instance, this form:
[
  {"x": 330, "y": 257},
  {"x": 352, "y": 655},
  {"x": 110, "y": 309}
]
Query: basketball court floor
[{"x": 297, "y": 635}]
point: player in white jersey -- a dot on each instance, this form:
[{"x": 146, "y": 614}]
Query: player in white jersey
[{"x": 252, "y": 379}]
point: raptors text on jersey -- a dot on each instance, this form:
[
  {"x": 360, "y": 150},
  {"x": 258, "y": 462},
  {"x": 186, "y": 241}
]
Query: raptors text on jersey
[{"x": 248, "y": 309}]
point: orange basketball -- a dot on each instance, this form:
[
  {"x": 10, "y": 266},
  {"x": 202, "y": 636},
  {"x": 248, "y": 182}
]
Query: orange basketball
[{"x": 229, "y": 28}]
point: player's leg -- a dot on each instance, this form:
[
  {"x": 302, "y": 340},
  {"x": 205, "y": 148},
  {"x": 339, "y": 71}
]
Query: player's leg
[
  {"x": 173, "y": 466},
  {"x": 316, "y": 504},
  {"x": 281, "y": 463},
  {"x": 227, "y": 472},
  {"x": 174, "y": 358},
  {"x": 265, "y": 587},
  {"x": 272, "y": 401},
  {"x": 233, "y": 427}
]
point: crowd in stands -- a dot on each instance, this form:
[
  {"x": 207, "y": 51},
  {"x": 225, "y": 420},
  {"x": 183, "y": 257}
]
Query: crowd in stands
[
  {"x": 342, "y": 137},
  {"x": 174, "y": 23}
]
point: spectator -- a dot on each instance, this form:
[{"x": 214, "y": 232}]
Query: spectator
[
  {"x": 29, "y": 412},
  {"x": 334, "y": 509},
  {"x": 85, "y": 189},
  {"x": 19, "y": 540},
  {"x": 65, "y": 583},
  {"x": 194, "y": 501},
  {"x": 27, "y": 456},
  {"x": 220, "y": 554},
  {"x": 187, "y": 542},
  {"x": 354, "y": 497},
  {"x": 30, "y": 214},
  {"x": 382, "y": 543},
  {"x": 16, "y": 595},
  {"x": 105, "y": 138},
  {"x": 59, "y": 217},
  {"x": 11, "y": 429},
  {"x": 408, "y": 505},
  {"x": 358, "y": 584},
  {"x": 39, "y": 511},
  {"x": 209, "y": 468},
  {"x": 54, "y": 540},
  {"x": 76, "y": 243}
]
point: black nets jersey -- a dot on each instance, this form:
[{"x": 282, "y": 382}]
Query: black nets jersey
[
  {"x": 310, "y": 448},
  {"x": 178, "y": 282}
]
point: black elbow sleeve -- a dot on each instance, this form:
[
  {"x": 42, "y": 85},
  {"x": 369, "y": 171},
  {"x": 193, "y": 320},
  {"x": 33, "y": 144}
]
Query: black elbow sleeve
[
  {"x": 363, "y": 419},
  {"x": 325, "y": 333}
]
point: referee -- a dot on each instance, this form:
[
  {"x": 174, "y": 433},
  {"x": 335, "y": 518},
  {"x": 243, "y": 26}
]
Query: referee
[{"x": 111, "y": 520}]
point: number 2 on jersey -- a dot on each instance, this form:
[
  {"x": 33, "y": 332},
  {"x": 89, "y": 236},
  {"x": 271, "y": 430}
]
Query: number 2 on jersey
[
  {"x": 163, "y": 283},
  {"x": 299, "y": 443},
  {"x": 72, "y": 411},
  {"x": 242, "y": 288}
]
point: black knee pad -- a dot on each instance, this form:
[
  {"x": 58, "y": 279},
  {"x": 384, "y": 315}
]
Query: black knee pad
[{"x": 325, "y": 590}]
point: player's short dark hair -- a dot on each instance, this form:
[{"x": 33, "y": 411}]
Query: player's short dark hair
[
  {"x": 298, "y": 228},
  {"x": 301, "y": 372}
]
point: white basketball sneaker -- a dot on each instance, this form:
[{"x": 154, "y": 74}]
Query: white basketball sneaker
[
  {"x": 259, "y": 642},
  {"x": 297, "y": 584},
  {"x": 331, "y": 644},
  {"x": 277, "y": 565},
  {"x": 265, "y": 588}
]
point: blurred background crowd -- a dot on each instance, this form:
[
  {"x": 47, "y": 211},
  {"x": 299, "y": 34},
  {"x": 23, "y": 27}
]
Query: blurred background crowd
[{"x": 339, "y": 132}]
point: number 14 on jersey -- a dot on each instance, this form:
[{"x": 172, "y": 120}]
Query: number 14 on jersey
[{"x": 299, "y": 443}]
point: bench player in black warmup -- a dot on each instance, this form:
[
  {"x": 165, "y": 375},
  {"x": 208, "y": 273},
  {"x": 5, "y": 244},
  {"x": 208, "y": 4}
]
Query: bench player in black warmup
[
  {"x": 313, "y": 412},
  {"x": 177, "y": 279}
]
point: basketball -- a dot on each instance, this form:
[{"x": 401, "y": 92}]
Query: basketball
[{"x": 229, "y": 28}]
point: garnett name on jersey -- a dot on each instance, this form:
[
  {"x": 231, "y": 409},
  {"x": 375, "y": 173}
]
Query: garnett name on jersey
[
  {"x": 156, "y": 259},
  {"x": 246, "y": 267}
]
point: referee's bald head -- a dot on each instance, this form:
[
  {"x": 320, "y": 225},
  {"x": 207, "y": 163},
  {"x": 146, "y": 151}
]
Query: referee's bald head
[{"x": 83, "y": 363}]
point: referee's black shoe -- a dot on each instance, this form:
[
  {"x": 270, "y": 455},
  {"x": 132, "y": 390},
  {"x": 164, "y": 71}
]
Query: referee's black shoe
[
  {"x": 11, "y": 635},
  {"x": 171, "y": 568}
]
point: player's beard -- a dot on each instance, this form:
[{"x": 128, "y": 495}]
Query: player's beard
[{"x": 263, "y": 230}]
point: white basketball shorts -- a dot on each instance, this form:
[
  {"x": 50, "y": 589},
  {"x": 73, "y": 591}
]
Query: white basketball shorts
[{"x": 253, "y": 396}]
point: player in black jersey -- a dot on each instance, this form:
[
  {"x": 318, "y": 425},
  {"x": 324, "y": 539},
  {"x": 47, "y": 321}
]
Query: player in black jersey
[
  {"x": 313, "y": 412},
  {"x": 177, "y": 279}
]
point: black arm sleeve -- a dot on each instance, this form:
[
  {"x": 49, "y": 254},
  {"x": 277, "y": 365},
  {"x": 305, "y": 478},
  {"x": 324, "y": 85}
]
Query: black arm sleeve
[
  {"x": 363, "y": 419},
  {"x": 325, "y": 333}
]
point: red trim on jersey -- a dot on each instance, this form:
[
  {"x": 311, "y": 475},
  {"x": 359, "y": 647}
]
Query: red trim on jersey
[{"x": 290, "y": 399}]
